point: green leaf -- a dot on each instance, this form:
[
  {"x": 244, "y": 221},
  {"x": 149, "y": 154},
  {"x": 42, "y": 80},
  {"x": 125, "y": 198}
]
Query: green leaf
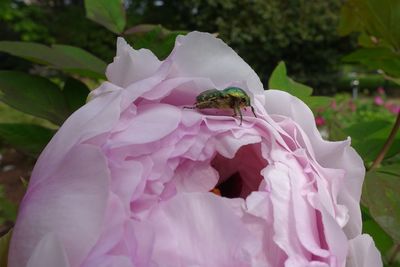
[
  {"x": 63, "y": 57},
  {"x": 371, "y": 53},
  {"x": 4, "y": 245},
  {"x": 348, "y": 21},
  {"x": 381, "y": 196},
  {"x": 34, "y": 95},
  {"x": 109, "y": 13},
  {"x": 315, "y": 102},
  {"x": 75, "y": 93},
  {"x": 40, "y": 97},
  {"x": 391, "y": 169},
  {"x": 154, "y": 37},
  {"x": 378, "y": 18},
  {"x": 363, "y": 130},
  {"x": 369, "y": 149},
  {"x": 8, "y": 210},
  {"x": 35, "y": 52},
  {"x": 369, "y": 137},
  {"x": 300, "y": 90},
  {"x": 29, "y": 138},
  {"x": 280, "y": 80},
  {"x": 382, "y": 240},
  {"x": 377, "y": 58},
  {"x": 396, "y": 80},
  {"x": 79, "y": 61}
]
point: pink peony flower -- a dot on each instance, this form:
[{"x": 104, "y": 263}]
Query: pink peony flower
[
  {"x": 126, "y": 181},
  {"x": 378, "y": 101},
  {"x": 320, "y": 121}
]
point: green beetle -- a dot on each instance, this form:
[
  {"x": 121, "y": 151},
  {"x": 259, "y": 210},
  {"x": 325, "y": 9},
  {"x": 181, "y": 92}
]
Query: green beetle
[{"x": 231, "y": 97}]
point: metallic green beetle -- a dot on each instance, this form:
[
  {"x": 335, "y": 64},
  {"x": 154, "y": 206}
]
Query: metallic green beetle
[{"x": 231, "y": 97}]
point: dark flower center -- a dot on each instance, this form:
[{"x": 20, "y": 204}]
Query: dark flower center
[
  {"x": 240, "y": 176},
  {"x": 232, "y": 187}
]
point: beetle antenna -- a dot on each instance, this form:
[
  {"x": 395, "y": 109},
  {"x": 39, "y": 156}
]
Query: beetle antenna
[{"x": 193, "y": 107}]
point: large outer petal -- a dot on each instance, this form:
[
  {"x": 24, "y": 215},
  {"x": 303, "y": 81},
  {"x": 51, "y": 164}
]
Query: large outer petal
[
  {"x": 70, "y": 205},
  {"x": 131, "y": 65},
  {"x": 200, "y": 54},
  {"x": 329, "y": 154},
  {"x": 95, "y": 118},
  {"x": 201, "y": 229},
  {"x": 42, "y": 257}
]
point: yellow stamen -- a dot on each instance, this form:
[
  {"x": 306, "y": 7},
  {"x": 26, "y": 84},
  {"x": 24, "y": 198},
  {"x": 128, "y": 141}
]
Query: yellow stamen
[{"x": 216, "y": 191}]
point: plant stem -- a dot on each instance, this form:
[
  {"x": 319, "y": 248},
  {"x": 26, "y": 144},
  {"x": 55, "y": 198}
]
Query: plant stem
[
  {"x": 387, "y": 145},
  {"x": 392, "y": 257}
]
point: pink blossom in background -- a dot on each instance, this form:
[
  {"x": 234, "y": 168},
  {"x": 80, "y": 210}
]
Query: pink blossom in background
[
  {"x": 126, "y": 181},
  {"x": 380, "y": 91},
  {"x": 378, "y": 101},
  {"x": 333, "y": 104},
  {"x": 320, "y": 121},
  {"x": 393, "y": 108},
  {"x": 352, "y": 106}
]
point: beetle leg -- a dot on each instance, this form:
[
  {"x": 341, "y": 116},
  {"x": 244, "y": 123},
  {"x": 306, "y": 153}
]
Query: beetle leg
[
  {"x": 234, "y": 112},
  {"x": 252, "y": 109}
]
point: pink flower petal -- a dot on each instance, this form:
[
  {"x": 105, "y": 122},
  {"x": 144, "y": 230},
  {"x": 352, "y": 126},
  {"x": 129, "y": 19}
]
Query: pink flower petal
[
  {"x": 152, "y": 123},
  {"x": 328, "y": 154},
  {"x": 127, "y": 67},
  {"x": 191, "y": 230},
  {"x": 202, "y": 55},
  {"x": 81, "y": 181},
  {"x": 96, "y": 117},
  {"x": 363, "y": 253},
  {"x": 48, "y": 252}
]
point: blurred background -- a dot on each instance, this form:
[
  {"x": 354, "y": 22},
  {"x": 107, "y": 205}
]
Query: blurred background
[{"x": 341, "y": 57}]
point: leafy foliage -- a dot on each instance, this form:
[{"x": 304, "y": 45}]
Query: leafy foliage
[
  {"x": 23, "y": 22},
  {"x": 29, "y": 138},
  {"x": 377, "y": 23},
  {"x": 280, "y": 80},
  {"x": 68, "y": 58},
  {"x": 110, "y": 14},
  {"x": 368, "y": 138},
  {"x": 302, "y": 33},
  {"x": 4, "y": 245},
  {"x": 379, "y": 35},
  {"x": 376, "y": 18},
  {"x": 75, "y": 93},
  {"x": 382, "y": 240},
  {"x": 37, "y": 96},
  {"x": 8, "y": 210},
  {"x": 380, "y": 195},
  {"x": 377, "y": 58},
  {"x": 154, "y": 37}
]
